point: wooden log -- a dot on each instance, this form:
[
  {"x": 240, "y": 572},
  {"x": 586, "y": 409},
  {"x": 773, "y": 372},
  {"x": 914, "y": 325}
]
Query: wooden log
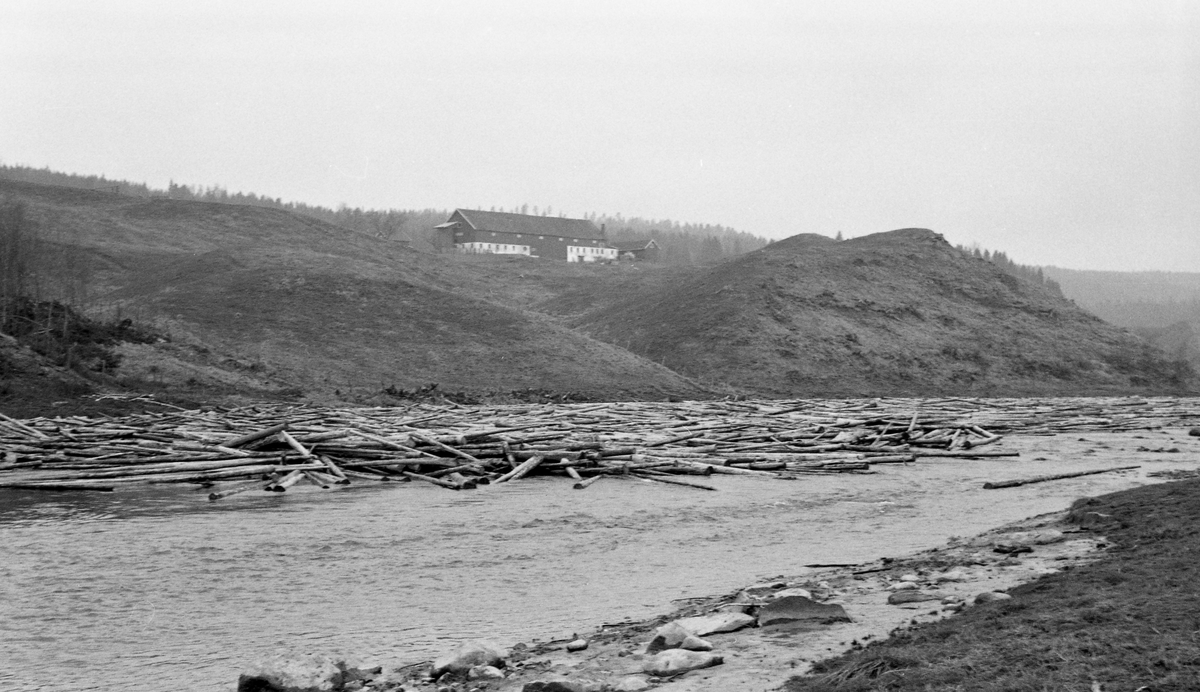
[
  {"x": 57, "y": 486},
  {"x": 585, "y": 483},
  {"x": 291, "y": 442},
  {"x": 429, "y": 479},
  {"x": 446, "y": 447},
  {"x": 319, "y": 479},
  {"x": 573, "y": 473},
  {"x": 252, "y": 485},
  {"x": 333, "y": 469},
  {"x": 1055, "y": 477},
  {"x": 891, "y": 459},
  {"x": 520, "y": 471},
  {"x": 287, "y": 482},
  {"x": 235, "y": 442},
  {"x": 365, "y": 476},
  {"x": 673, "y": 481},
  {"x": 962, "y": 454},
  {"x": 730, "y": 470},
  {"x": 32, "y": 432}
]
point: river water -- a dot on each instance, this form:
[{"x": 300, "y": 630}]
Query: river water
[{"x": 155, "y": 589}]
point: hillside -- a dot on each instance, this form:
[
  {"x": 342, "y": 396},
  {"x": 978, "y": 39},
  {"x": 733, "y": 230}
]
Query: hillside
[
  {"x": 314, "y": 307},
  {"x": 901, "y": 312}
]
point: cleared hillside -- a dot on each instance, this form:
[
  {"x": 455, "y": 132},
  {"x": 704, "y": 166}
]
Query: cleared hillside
[
  {"x": 901, "y": 312},
  {"x": 317, "y": 307}
]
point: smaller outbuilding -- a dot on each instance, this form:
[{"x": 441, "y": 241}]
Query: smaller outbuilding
[{"x": 639, "y": 250}]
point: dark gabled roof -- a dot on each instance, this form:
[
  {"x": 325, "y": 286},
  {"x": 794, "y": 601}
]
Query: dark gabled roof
[
  {"x": 634, "y": 245},
  {"x": 504, "y": 222}
]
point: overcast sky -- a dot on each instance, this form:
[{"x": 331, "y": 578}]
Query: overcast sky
[{"x": 1063, "y": 133}]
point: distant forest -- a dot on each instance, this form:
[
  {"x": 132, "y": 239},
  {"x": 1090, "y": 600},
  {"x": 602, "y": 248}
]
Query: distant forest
[{"x": 681, "y": 243}]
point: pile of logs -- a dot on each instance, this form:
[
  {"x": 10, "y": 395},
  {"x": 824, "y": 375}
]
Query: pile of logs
[{"x": 274, "y": 447}]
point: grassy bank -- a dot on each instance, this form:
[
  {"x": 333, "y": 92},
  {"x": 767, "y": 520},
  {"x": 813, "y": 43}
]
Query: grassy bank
[{"x": 1130, "y": 621}]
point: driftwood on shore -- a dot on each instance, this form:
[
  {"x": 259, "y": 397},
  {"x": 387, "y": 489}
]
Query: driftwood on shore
[{"x": 458, "y": 447}]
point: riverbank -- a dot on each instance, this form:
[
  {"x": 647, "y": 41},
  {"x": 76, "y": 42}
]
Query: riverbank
[
  {"x": 1126, "y": 621},
  {"x": 1094, "y": 597}
]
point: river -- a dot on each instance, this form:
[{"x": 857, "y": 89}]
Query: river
[{"x": 159, "y": 588}]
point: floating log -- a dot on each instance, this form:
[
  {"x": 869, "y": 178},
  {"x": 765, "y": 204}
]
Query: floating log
[
  {"x": 585, "y": 483},
  {"x": 1055, "y": 477},
  {"x": 673, "y": 481},
  {"x": 252, "y": 485},
  {"x": 521, "y": 470},
  {"x": 768, "y": 439},
  {"x": 57, "y": 487}
]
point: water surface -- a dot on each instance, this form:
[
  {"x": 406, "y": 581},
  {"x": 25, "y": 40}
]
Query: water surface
[{"x": 159, "y": 588}]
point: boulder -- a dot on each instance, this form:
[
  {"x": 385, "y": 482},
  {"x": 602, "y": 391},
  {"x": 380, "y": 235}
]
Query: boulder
[
  {"x": 990, "y": 596},
  {"x": 485, "y": 673},
  {"x": 467, "y": 656},
  {"x": 563, "y": 685},
  {"x": 1194, "y": 432},
  {"x": 632, "y": 683},
  {"x": 577, "y": 645},
  {"x": 799, "y": 608},
  {"x": 951, "y": 575},
  {"x": 675, "y": 636},
  {"x": 714, "y": 623},
  {"x": 794, "y": 591},
  {"x": 309, "y": 674},
  {"x": 901, "y": 585},
  {"x": 677, "y": 661},
  {"x": 911, "y": 596}
]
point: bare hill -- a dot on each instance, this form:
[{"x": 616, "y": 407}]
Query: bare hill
[
  {"x": 901, "y": 312},
  {"x": 316, "y": 306}
]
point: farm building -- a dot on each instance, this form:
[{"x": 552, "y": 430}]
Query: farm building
[
  {"x": 502, "y": 233},
  {"x": 641, "y": 250}
]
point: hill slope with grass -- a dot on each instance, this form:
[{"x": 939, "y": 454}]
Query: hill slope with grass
[
  {"x": 314, "y": 306},
  {"x": 901, "y": 313}
]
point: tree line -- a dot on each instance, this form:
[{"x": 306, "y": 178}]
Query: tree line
[{"x": 1030, "y": 273}]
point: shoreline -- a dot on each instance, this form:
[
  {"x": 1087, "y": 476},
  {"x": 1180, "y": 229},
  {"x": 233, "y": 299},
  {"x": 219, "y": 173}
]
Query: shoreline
[{"x": 764, "y": 658}]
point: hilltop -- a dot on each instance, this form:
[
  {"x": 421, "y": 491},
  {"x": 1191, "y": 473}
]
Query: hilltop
[{"x": 901, "y": 312}]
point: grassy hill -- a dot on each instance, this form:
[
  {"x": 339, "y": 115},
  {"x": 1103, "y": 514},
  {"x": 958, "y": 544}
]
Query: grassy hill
[
  {"x": 316, "y": 307},
  {"x": 258, "y": 300},
  {"x": 892, "y": 313}
]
